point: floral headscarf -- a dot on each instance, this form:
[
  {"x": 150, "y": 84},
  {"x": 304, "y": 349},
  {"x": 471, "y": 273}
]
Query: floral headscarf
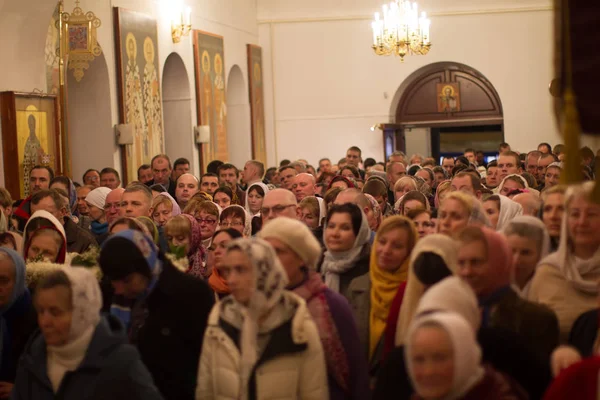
[{"x": 196, "y": 254}]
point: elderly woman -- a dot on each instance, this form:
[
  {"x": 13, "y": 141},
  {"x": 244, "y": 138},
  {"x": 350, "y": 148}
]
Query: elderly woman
[
  {"x": 77, "y": 351},
  {"x": 236, "y": 217},
  {"x": 299, "y": 252},
  {"x": 261, "y": 342},
  {"x": 207, "y": 214},
  {"x": 95, "y": 201},
  {"x": 45, "y": 238},
  {"x": 164, "y": 207}
]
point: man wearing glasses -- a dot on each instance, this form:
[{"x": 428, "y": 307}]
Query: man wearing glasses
[
  {"x": 112, "y": 205},
  {"x": 279, "y": 203}
]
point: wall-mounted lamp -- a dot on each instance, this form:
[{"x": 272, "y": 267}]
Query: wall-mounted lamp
[
  {"x": 376, "y": 126},
  {"x": 181, "y": 25}
]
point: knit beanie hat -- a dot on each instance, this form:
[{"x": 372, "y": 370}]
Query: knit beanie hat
[
  {"x": 120, "y": 256},
  {"x": 97, "y": 197},
  {"x": 297, "y": 236}
]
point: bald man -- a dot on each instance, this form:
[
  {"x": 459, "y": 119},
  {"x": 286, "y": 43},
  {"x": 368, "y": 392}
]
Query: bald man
[
  {"x": 530, "y": 202},
  {"x": 187, "y": 186},
  {"x": 279, "y": 203},
  {"x": 112, "y": 205},
  {"x": 355, "y": 196},
  {"x": 304, "y": 185}
]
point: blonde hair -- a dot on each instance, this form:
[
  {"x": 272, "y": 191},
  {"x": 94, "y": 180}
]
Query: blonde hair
[
  {"x": 162, "y": 199},
  {"x": 399, "y": 222},
  {"x": 194, "y": 206},
  {"x": 178, "y": 226},
  {"x": 312, "y": 204},
  {"x": 400, "y": 183},
  {"x": 558, "y": 189},
  {"x": 466, "y": 200}
]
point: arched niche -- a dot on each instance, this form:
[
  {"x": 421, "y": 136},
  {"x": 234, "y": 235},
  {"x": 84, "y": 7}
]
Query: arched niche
[
  {"x": 416, "y": 101},
  {"x": 91, "y": 131},
  {"x": 238, "y": 118},
  {"x": 177, "y": 110}
]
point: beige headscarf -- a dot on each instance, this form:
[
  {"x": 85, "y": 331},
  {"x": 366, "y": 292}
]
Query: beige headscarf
[{"x": 508, "y": 210}]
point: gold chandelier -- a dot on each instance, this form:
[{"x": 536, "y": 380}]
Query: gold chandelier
[{"x": 401, "y": 31}]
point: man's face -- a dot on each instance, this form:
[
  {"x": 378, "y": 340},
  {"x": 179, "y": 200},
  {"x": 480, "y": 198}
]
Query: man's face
[
  {"x": 287, "y": 178},
  {"x": 277, "y": 204},
  {"x": 112, "y": 205},
  {"x": 109, "y": 180},
  {"x": 161, "y": 171},
  {"x": 145, "y": 175},
  {"x": 353, "y": 158},
  {"x": 209, "y": 184},
  {"x": 180, "y": 170},
  {"x": 541, "y": 168},
  {"x": 544, "y": 149},
  {"x": 470, "y": 156},
  {"x": 551, "y": 177},
  {"x": 39, "y": 179},
  {"x": 532, "y": 164},
  {"x": 303, "y": 186},
  {"x": 395, "y": 172},
  {"x": 448, "y": 165},
  {"x": 136, "y": 204},
  {"x": 463, "y": 184},
  {"x": 47, "y": 204},
  {"x": 325, "y": 166},
  {"x": 132, "y": 286},
  {"x": 228, "y": 177},
  {"x": 82, "y": 207},
  {"x": 480, "y": 158},
  {"x": 187, "y": 186},
  {"x": 250, "y": 173},
  {"x": 507, "y": 165},
  {"x": 491, "y": 179},
  {"x": 92, "y": 178}
]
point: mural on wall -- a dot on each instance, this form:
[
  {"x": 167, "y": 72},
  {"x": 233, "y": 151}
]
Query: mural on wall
[
  {"x": 257, "y": 105},
  {"x": 51, "y": 52},
  {"x": 448, "y": 95},
  {"x": 210, "y": 92},
  {"x": 139, "y": 87}
]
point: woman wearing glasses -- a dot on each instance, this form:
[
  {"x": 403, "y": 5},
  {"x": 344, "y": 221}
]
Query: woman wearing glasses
[
  {"x": 207, "y": 215},
  {"x": 235, "y": 217}
]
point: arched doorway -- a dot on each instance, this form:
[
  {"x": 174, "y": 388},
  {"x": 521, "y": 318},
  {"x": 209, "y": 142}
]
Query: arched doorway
[
  {"x": 445, "y": 107},
  {"x": 238, "y": 118},
  {"x": 91, "y": 132},
  {"x": 177, "y": 111}
]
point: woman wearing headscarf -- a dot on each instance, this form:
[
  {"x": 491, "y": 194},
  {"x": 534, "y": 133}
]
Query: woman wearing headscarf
[
  {"x": 499, "y": 346},
  {"x": 299, "y": 251},
  {"x": 261, "y": 342},
  {"x": 45, "y": 238},
  {"x": 458, "y": 210},
  {"x": 95, "y": 201},
  {"x": 236, "y": 217},
  {"x": 17, "y": 316},
  {"x": 372, "y": 294},
  {"x": 196, "y": 253},
  {"x": 567, "y": 280},
  {"x": 165, "y": 311},
  {"x": 254, "y": 198},
  {"x": 485, "y": 263},
  {"x": 444, "y": 362},
  {"x": 501, "y": 210},
  {"x": 347, "y": 246},
  {"x": 79, "y": 354},
  {"x": 529, "y": 241},
  {"x": 216, "y": 252}
]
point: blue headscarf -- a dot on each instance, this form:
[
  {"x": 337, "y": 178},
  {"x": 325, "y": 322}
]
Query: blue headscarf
[
  {"x": 18, "y": 302},
  {"x": 121, "y": 307}
]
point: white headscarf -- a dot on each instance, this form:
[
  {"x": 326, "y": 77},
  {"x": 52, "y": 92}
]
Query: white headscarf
[
  {"x": 247, "y": 220},
  {"x": 322, "y": 211},
  {"x": 573, "y": 268},
  {"x": 265, "y": 189},
  {"x": 336, "y": 263},
  {"x": 467, "y": 353},
  {"x": 508, "y": 210}
]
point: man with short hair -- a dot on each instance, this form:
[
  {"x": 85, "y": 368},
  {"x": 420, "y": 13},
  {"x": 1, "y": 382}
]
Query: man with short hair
[
  {"x": 144, "y": 174},
  {"x": 480, "y": 158},
  {"x": 112, "y": 205},
  {"x": 559, "y": 151},
  {"x": 504, "y": 147},
  {"x": 136, "y": 201},
  {"x": 491, "y": 178},
  {"x": 279, "y": 203},
  {"x": 508, "y": 163},
  {"x": 39, "y": 179},
  {"x": 91, "y": 177},
  {"x": 543, "y": 162},
  {"x": 180, "y": 166},
  {"x": 531, "y": 162},
  {"x": 298, "y": 166},
  {"x": 209, "y": 182},
  {"x": 466, "y": 182},
  {"x": 109, "y": 177},
  {"x": 324, "y": 165},
  {"x": 470, "y": 155},
  {"x": 354, "y": 158},
  {"x": 416, "y": 159},
  {"x": 397, "y": 156},
  {"x": 304, "y": 185},
  {"x": 587, "y": 156},
  {"x": 545, "y": 148},
  {"x": 229, "y": 175},
  {"x": 187, "y": 186},
  {"x": 355, "y": 196},
  {"x": 448, "y": 164},
  {"x": 427, "y": 176},
  {"x": 78, "y": 239},
  {"x": 530, "y": 203},
  {"x": 253, "y": 172},
  {"x": 82, "y": 206},
  {"x": 161, "y": 172},
  {"x": 287, "y": 173},
  {"x": 396, "y": 170}
]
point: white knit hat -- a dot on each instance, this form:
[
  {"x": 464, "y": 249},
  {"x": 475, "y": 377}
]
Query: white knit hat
[
  {"x": 97, "y": 197},
  {"x": 296, "y": 236}
]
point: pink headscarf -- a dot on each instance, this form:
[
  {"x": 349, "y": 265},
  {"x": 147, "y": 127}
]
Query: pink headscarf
[
  {"x": 196, "y": 252},
  {"x": 499, "y": 256},
  {"x": 176, "y": 209}
]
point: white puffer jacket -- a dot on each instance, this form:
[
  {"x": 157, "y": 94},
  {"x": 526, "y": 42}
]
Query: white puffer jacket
[{"x": 300, "y": 375}]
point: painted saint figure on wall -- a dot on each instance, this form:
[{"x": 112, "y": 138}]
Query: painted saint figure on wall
[
  {"x": 448, "y": 97},
  {"x": 33, "y": 151},
  {"x": 134, "y": 105},
  {"x": 207, "y": 100},
  {"x": 220, "y": 111},
  {"x": 152, "y": 105}
]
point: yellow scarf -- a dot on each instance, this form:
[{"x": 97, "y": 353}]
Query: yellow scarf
[{"x": 384, "y": 285}]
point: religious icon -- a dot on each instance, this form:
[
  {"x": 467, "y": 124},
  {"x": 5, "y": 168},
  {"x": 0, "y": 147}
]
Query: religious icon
[
  {"x": 133, "y": 101},
  {"x": 220, "y": 106},
  {"x": 152, "y": 103},
  {"x": 448, "y": 97},
  {"x": 257, "y": 103}
]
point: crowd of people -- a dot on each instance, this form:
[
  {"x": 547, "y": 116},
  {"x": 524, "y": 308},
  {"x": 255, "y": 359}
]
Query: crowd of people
[{"x": 354, "y": 280}]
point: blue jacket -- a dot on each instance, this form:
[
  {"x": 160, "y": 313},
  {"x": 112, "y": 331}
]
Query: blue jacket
[{"x": 111, "y": 369}]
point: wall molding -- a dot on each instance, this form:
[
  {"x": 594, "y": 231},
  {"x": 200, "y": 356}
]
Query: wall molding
[
  {"x": 490, "y": 11},
  {"x": 333, "y": 117}
]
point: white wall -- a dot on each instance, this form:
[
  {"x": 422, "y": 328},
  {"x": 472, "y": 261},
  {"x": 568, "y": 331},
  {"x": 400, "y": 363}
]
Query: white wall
[
  {"x": 329, "y": 88},
  {"x": 239, "y": 135}
]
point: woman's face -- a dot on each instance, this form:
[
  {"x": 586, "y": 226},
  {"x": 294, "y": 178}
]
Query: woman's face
[
  {"x": 583, "y": 223},
  {"x": 161, "y": 214},
  {"x": 97, "y": 214},
  {"x": 309, "y": 218},
  {"x": 452, "y": 217},
  {"x": 509, "y": 186},
  {"x": 341, "y": 184},
  {"x": 179, "y": 241},
  {"x": 554, "y": 208},
  {"x": 208, "y": 224},
  {"x": 526, "y": 255},
  {"x": 339, "y": 235},
  {"x": 233, "y": 222},
  {"x": 347, "y": 174},
  {"x": 255, "y": 201},
  {"x": 291, "y": 261},
  {"x": 240, "y": 277},
  {"x": 43, "y": 244},
  {"x": 391, "y": 249},
  {"x": 218, "y": 249},
  {"x": 432, "y": 359},
  {"x": 411, "y": 205},
  {"x": 423, "y": 224},
  {"x": 54, "y": 313},
  {"x": 474, "y": 267},
  {"x": 492, "y": 211},
  {"x": 222, "y": 200},
  {"x": 402, "y": 190},
  {"x": 439, "y": 178}
]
